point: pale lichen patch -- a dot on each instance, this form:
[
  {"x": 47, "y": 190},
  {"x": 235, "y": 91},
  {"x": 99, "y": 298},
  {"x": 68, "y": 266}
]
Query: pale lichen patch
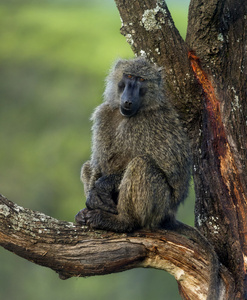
[
  {"x": 157, "y": 50},
  {"x": 70, "y": 225},
  {"x": 143, "y": 53},
  {"x": 4, "y": 210},
  {"x": 220, "y": 37},
  {"x": 18, "y": 208},
  {"x": 170, "y": 23},
  {"x": 149, "y": 19},
  {"x": 235, "y": 104},
  {"x": 129, "y": 39},
  {"x": 201, "y": 219},
  {"x": 213, "y": 222}
]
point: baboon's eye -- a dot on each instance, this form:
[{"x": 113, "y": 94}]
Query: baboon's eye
[
  {"x": 130, "y": 76},
  {"x": 141, "y": 79}
]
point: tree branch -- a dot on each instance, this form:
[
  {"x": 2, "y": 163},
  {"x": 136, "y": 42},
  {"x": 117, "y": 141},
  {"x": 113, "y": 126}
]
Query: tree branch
[
  {"x": 211, "y": 100},
  {"x": 214, "y": 111},
  {"x": 71, "y": 250}
]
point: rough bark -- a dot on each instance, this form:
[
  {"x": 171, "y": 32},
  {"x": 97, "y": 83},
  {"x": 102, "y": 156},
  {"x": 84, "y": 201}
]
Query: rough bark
[
  {"x": 205, "y": 78},
  {"x": 217, "y": 33},
  {"x": 212, "y": 104},
  {"x": 72, "y": 250},
  {"x": 150, "y": 30}
]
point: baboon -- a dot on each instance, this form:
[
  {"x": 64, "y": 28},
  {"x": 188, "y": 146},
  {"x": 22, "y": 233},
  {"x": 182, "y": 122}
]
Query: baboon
[{"x": 139, "y": 169}]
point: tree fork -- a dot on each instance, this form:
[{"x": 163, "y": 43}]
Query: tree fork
[
  {"x": 208, "y": 89},
  {"x": 150, "y": 31},
  {"x": 214, "y": 110}
]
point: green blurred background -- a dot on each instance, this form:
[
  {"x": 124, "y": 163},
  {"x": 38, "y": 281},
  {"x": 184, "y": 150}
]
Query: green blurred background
[{"x": 54, "y": 56}]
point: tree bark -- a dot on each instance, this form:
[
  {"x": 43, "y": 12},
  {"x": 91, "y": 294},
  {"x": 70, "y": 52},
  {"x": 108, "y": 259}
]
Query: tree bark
[
  {"x": 217, "y": 32},
  {"x": 212, "y": 104},
  {"x": 72, "y": 250},
  {"x": 205, "y": 78},
  {"x": 150, "y": 30}
]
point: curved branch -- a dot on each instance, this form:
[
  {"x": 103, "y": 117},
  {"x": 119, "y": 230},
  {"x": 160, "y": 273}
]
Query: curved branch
[
  {"x": 72, "y": 250},
  {"x": 217, "y": 31}
]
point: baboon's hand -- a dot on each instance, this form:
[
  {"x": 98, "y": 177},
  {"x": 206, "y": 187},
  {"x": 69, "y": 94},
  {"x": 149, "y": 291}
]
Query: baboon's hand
[
  {"x": 89, "y": 217},
  {"x": 98, "y": 199},
  {"x": 79, "y": 218}
]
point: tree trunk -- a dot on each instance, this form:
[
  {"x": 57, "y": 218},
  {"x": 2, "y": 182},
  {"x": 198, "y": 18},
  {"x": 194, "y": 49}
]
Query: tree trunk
[
  {"x": 205, "y": 77},
  {"x": 212, "y": 104},
  {"x": 221, "y": 209}
]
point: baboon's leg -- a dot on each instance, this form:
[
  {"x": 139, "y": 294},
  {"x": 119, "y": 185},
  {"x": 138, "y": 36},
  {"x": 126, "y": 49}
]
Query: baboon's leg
[
  {"x": 101, "y": 193},
  {"x": 104, "y": 194},
  {"x": 143, "y": 195}
]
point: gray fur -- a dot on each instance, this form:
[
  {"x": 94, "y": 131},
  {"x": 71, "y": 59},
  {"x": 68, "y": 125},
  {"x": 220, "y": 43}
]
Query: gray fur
[{"x": 139, "y": 169}]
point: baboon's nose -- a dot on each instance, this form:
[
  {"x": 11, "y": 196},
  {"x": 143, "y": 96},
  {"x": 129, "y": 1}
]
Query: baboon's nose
[{"x": 127, "y": 104}]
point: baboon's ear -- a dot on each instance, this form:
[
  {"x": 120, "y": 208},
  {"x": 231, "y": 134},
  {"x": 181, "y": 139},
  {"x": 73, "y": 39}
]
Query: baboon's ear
[{"x": 119, "y": 63}]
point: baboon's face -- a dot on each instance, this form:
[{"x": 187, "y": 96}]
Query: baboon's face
[{"x": 131, "y": 89}]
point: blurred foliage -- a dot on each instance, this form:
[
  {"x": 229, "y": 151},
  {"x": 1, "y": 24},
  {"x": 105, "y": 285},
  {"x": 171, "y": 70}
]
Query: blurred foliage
[{"x": 54, "y": 56}]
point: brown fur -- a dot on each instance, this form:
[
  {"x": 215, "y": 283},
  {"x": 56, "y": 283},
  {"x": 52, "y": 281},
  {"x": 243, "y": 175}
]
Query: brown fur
[
  {"x": 143, "y": 159},
  {"x": 139, "y": 170}
]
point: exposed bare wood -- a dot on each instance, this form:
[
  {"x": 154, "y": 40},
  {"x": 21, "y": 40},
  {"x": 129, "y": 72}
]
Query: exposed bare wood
[
  {"x": 217, "y": 33},
  {"x": 215, "y": 114},
  {"x": 206, "y": 79},
  {"x": 72, "y": 250}
]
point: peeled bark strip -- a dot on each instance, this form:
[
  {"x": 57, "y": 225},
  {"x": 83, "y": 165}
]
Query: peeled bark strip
[
  {"x": 213, "y": 105},
  {"x": 206, "y": 79},
  {"x": 217, "y": 33},
  {"x": 221, "y": 160}
]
